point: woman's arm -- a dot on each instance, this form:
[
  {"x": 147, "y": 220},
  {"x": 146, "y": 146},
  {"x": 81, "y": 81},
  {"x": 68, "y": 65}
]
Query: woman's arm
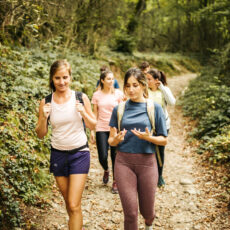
[
  {"x": 44, "y": 112},
  {"x": 114, "y": 137},
  {"x": 157, "y": 140},
  {"x": 86, "y": 112},
  {"x": 92, "y": 134},
  {"x": 95, "y": 111},
  {"x": 168, "y": 96}
]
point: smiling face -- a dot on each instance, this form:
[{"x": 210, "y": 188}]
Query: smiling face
[
  {"x": 134, "y": 89},
  {"x": 153, "y": 83},
  {"x": 61, "y": 79},
  {"x": 108, "y": 80}
]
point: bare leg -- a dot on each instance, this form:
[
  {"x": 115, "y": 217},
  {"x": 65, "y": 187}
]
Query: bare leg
[
  {"x": 63, "y": 184},
  {"x": 75, "y": 190}
]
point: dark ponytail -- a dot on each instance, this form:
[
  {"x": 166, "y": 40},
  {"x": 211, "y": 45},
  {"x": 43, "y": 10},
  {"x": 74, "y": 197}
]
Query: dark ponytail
[
  {"x": 156, "y": 74},
  {"x": 163, "y": 78}
]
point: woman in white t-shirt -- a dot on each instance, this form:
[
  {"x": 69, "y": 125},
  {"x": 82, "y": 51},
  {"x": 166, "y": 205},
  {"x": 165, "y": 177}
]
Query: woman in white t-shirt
[{"x": 104, "y": 100}]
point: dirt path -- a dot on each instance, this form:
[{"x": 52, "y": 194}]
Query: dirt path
[{"x": 185, "y": 203}]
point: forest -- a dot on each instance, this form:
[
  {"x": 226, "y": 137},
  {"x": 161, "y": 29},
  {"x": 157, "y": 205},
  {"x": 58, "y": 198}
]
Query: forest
[{"x": 194, "y": 34}]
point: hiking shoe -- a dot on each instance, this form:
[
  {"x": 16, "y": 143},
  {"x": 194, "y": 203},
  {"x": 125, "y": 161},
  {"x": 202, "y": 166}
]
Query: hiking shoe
[
  {"x": 106, "y": 177},
  {"x": 114, "y": 188},
  {"x": 161, "y": 182}
]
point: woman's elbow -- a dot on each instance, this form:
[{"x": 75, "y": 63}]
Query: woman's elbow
[
  {"x": 172, "y": 102},
  {"x": 165, "y": 141},
  {"x": 92, "y": 125},
  {"x": 40, "y": 135}
]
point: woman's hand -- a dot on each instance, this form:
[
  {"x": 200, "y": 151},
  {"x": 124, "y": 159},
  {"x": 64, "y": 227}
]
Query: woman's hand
[
  {"x": 158, "y": 83},
  {"x": 115, "y": 138},
  {"x": 119, "y": 137},
  {"x": 142, "y": 135},
  {"x": 157, "y": 140},
  {"x": 46, "y": 110},
  {"x": 80, "y": 107},
  {"x": 92, "y": 137}
]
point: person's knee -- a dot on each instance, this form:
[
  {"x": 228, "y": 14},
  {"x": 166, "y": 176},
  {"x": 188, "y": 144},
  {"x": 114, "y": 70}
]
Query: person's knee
[
  {"x": 149, "y": 221},
  {"x": 74, "y": 208},
  {"x": 148, "y": 214},
  {"x": 131, "y": 216}
]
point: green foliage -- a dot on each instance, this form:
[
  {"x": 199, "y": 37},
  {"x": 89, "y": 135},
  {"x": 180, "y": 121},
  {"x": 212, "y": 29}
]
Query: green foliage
[
  {"x": 24, "y": 159},
  {"x": 126, "y": 25},
  {"x": 207, "y": 100},
  {"x": 123, "y": 43}
]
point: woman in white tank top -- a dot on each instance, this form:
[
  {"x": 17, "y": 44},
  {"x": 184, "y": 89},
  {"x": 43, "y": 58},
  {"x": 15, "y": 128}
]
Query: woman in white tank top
[{"x": 70, "y": 158}]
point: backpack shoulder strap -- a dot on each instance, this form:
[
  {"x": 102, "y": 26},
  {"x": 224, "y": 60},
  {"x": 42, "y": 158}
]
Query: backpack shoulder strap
[
  {"x": 78, "y": 96},
  {"x": 120, "y": 112},
  {"x": 48, "y": 98},
  {"x": 151, "y": 114}
]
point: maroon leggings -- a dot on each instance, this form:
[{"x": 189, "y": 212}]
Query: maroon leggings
[{"x": 136, "y": 176}]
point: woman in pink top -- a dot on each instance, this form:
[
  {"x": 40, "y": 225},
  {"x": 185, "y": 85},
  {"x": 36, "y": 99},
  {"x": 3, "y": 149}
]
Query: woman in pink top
[
  {"x": 104, "y": 100},
  {"x": 70, "y": 157}
]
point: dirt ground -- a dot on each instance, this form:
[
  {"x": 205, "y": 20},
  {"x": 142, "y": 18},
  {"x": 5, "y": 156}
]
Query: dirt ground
[{"x": 187, "y": 202}]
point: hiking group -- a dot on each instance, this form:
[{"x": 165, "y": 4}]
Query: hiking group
[{"x": 132, "y": 124}]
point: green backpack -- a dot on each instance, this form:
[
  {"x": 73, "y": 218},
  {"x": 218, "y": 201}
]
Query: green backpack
[{"x": 151, "y": 114}]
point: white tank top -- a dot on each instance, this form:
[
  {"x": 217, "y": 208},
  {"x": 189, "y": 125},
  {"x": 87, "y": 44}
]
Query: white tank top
[{"x": 67, "y": 126}]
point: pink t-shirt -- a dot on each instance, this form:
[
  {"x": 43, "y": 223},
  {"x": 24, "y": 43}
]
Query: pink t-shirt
[{"x": 105, "y": 104}]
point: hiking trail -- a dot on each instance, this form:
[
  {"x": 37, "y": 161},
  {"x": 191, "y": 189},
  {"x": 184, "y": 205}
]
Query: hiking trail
[{"x": 187, "y": 202}]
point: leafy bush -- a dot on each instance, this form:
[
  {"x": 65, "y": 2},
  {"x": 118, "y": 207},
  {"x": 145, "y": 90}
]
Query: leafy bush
[
  {"x": 24, "y": 159},
  {"x": 207, "y": 100},
  {"x": 124, "y": 43}
]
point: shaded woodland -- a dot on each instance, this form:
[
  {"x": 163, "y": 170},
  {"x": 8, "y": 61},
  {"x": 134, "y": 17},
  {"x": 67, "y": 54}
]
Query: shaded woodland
[
  {"x": 119, "y": 33},
  {"x": 123, "y": 25}
]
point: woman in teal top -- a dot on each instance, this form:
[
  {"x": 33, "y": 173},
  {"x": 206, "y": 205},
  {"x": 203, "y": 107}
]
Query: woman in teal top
[{"x": 136, "y": 171}]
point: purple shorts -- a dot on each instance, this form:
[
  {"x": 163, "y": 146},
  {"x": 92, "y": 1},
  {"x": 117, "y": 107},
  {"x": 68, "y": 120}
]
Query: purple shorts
[{"x": 63, "y": 163}]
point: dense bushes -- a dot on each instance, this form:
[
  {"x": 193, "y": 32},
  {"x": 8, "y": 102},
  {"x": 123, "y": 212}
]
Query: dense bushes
[
  {"x": 207, "y": 101},
  {"x": 24, "y": 158}
]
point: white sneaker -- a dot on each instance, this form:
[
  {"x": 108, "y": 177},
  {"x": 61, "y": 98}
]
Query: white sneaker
[{"x": 148, "y": 227}]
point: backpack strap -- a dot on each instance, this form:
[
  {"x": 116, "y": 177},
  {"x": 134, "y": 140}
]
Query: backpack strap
[
  {"x": 48, "y": 98},
  {"x": 151, "y": 114},
  {"x": 78, "y": 96},
  {"x": 120, "y": 112}
]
